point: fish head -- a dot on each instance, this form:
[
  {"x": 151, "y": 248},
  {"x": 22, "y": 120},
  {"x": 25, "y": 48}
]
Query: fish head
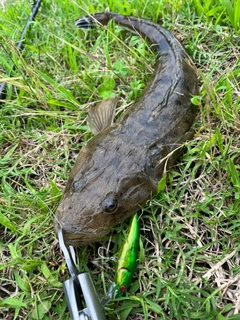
[{"x": 102, "y": 190}]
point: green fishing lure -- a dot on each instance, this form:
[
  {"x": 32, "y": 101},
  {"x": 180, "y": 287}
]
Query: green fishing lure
[{"x": 127, "y": 261}]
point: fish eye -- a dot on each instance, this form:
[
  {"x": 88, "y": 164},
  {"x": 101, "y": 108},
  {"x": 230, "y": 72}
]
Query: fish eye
[{"x": 110, "y": 203}]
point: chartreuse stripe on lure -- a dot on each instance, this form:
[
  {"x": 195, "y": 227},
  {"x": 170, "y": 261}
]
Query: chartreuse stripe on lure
[{"x": 128, "y": 255}]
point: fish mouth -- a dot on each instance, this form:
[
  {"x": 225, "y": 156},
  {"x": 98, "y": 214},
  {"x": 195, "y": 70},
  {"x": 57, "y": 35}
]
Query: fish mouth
[{"x": 77, "y": 239}]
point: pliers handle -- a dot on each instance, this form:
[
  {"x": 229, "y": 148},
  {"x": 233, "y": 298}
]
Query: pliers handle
[{"x": 79, "y": 289}]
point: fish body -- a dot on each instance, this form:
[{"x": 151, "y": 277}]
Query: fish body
[
  {"x": 120, "y": 167},
  {"x": 128, "y": 255}
]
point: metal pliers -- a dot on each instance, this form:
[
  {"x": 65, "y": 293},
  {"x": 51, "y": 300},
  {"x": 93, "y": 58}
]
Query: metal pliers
[{"x": 81, "y": 295}]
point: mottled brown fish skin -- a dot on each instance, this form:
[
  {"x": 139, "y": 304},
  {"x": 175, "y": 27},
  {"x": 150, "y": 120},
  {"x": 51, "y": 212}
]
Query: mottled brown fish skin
[{"x": 119, "y": 169}]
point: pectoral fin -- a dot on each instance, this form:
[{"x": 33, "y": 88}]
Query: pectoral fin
[{"x": 101, "y": 116}]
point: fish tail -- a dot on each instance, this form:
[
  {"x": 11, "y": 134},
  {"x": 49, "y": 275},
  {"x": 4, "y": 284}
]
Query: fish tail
[
  {"x": 85, "y": 23},
  {"x": 91, "y": 21}
]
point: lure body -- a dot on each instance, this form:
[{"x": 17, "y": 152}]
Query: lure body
[{"x": 128, "y": 255}]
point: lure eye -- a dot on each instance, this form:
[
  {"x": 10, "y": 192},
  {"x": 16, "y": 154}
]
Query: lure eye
[
  {"x": 110, "y": 203},
  {"x": 122, "y": 289}
]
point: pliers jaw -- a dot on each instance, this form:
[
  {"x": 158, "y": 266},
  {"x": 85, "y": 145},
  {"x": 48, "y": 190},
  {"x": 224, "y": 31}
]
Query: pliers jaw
[{"x": 79, "y": 289}]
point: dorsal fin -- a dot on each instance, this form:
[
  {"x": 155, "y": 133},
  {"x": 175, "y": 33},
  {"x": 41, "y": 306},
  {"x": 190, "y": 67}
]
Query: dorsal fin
[{"x": 102, "y": 115}]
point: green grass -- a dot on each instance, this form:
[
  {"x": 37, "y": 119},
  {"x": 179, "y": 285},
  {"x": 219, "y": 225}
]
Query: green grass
[{"x": 189, "y": 264}]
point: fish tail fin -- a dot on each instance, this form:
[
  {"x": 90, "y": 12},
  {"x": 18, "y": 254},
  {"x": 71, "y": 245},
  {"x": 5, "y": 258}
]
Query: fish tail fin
[
  {"x": 92, "y": 20},
  {"x": 85, "y": 22}
]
